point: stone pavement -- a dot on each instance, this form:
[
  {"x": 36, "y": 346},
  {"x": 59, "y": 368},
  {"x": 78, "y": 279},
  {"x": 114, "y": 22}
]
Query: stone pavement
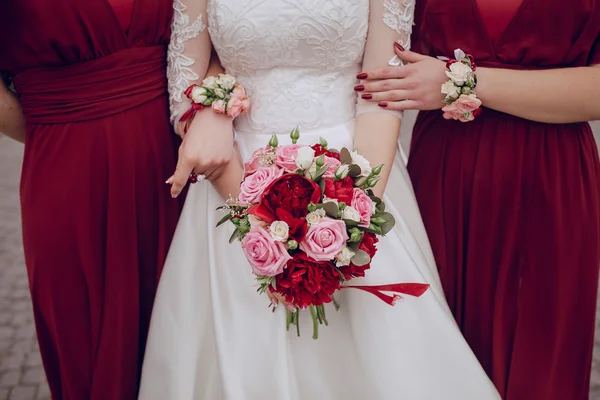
[{"x": 21, "y": 373}]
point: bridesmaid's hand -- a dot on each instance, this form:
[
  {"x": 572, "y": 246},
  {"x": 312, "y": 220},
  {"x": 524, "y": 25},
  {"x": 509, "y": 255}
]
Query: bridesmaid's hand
[
  {"x": 276, "y": 299},
  {"x": 415, "y": 86},
  {"x": 206, "y": 149}
]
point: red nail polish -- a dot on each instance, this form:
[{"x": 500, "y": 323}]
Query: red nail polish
[
  {"x": 362, "y": 75},
  {"x": 359, "y": 88},
  {"x": 398, "y": 46},
  {"x": 367, "y": 96},
  {"x": 382, "y": 104}
]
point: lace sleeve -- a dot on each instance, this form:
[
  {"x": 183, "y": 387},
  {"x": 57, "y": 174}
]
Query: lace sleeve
[
  {"x": 189, "y": 52},
  {"x": 389, "y": 21}
]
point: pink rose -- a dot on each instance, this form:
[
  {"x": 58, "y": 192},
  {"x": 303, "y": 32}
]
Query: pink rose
[
  {"x": 219, "y": 106},
  {"x": 333, "y": 165},
  {"x": 325, "y": 240},
  {"x": 362, "y": 203},
  {"x": 256, "y": 162},
  {"x": 286, "y": 157},
  {"x": 266, "y": 256},
  {"x": 254, "y": 185},
  {"x": 462, "y": 109},
  {"x": 239, "y": 102}
]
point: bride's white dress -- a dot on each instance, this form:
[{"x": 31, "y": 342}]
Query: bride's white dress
[{"x": 212, "y": 336}]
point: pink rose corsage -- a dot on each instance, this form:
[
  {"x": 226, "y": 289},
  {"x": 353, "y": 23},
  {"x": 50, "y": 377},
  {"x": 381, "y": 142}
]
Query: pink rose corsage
[
  {"x": 461, "y": 101},
  {"x": 223, "y": 94}
]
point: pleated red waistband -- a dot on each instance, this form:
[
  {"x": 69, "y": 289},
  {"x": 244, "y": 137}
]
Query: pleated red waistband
[{"x": 93, "y": 89}]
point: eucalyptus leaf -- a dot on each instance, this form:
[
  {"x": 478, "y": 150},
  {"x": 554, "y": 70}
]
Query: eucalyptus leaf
[
  {"x": 389, "y": 223},
  {"x": 360, "y": 258},
  {"x": 345, "y": 156},
  {"x": 350, "y": 222},
  {"x": 331, "y": 209},
  {"x": 354, "y": 171},
  {"x": 322, "y": 185}
]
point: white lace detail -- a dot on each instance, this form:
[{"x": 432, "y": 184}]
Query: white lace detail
[
  {"x": 297, "y": 58},
  {"x": 399, "y": 17},
  {"x": 179, "y": 71}
]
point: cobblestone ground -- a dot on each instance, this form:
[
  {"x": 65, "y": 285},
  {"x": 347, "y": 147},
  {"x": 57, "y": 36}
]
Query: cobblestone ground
[{"x": 21, "y": 373}]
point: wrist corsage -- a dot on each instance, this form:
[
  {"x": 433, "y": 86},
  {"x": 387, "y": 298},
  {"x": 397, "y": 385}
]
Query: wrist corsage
[
  {"x": 223, "y": 94},
  {"x": 461, "y": 101}
]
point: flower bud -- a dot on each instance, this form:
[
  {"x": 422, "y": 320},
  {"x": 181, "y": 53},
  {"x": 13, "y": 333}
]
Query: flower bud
[
  {"x": 341, "y": 205},
  {"x": 360, "y": 182},
  {"x": 320, "y": 161},
  {"x": 292, "y": 245},
  {"x": 372, "y": 180},
  {"x": 355, "y": 235},
  {"x": 342, "y": 172},
  {"x": 377, "y": 170},
  {"x": 323, "y": 143},
  {"x": 236, "y": 221},
  {"x": 378, "y": 221},
  {"x": 274, "y": 142},
  {"x": 312, "y": 207},
  {"x": 295, "y": 135}
]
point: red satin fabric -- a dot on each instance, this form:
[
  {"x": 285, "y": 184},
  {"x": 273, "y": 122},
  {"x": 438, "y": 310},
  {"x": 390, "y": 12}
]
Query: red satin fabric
[
  {"x": 97, "y": 216},
  {"x": 512, "y": 206},
  {"x": 123, "y": 11}
]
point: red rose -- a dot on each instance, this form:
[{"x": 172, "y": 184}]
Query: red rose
[
  {"x": 320, "y": 150},
  {"x": 367, "y": 245},
  {"x": 307, "y": 282},
  {"x": 287, "y": 199},
  {"x": 341, "y": 190}
]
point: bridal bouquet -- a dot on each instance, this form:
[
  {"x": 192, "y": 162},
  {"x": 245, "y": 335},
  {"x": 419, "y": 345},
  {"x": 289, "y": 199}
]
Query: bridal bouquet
[{"x": 308, "y": 222}]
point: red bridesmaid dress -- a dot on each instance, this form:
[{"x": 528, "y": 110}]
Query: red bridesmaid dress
[
  {"x": 512, "y": 206},
  {"x": 97, "y": 215}
]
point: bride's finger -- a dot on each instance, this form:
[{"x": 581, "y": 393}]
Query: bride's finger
[
  {"x": 385, "y": 73},
  {"x": 181, "y": 177},
  {"x": 391, "y": 95}
]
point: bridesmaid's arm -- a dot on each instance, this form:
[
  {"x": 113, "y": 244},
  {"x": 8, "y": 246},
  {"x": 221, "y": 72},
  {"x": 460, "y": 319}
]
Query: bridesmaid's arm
[
  {"x": 553, "y": 96},
  {"x": 12, "y": 121},
  {"x": 377, "y": 129}
]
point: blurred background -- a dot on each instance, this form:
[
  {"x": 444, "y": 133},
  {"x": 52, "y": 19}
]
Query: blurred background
[{"x": 21, "y": 373}]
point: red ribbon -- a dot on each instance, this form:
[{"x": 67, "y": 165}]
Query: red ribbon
[
  {"x": 189, "y": 115},
  {"x": 411, "y": 289}
]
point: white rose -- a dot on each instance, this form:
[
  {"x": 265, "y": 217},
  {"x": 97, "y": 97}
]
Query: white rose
[
  {"x": 459, "y": 54},
  {"x": 363, "y": 163},
  {"x": 450, "y": 89},
  {"x": 351, "y": 213},
  {"x": 305, "y": 157},
  {"x": 344, "y": 257},
  {"x": 210, "y": 83},
  {"x": 279, "y": 231},
  {"x": 459, "y": 73},
  {"x": 220, "y": 93},
  {"x": 256, "y": 222},
  {"x": 226, "y": 82},
  {"x": 314, "y": 217},
  {"x": 312, "y": 170},
  {"x": 198, "y": 95}
]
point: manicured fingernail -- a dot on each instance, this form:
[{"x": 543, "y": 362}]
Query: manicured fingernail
[
  {"x": 174, "y": 195},
  {"x": 170, "y": 180},
  {"x": 291, "y": 308},
  {"x": 359, "y": 88},
  {"x": 367, "y": 96},
  {"x": 382, "y": 104},
  {"x": 274, "y": 301},
  {"x": 398, "y": 46},
  {"x": 362, "y": 75}
]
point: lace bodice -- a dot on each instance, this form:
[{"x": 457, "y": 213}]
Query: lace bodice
[{"x": 298, "y": 59}]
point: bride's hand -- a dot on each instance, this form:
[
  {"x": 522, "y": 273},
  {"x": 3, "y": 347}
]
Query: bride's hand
[
  {"x": 415, "y": 86},
  {"x": 206, "y": 149},
  {"x": 276, "y": 299}
]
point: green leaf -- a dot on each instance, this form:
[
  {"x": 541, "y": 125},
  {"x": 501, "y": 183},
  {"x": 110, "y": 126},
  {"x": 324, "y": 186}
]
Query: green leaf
[
  {"x": 350, "y": 222},
  {"x": 225, "y": 218},
  {"x": 322, "y": 185},
  {"x": 320, "y": 172},
  {"x": 235, "y": 235},
  {"x": 345, "y": 156},
  {"x": 360, "y": 258}
]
